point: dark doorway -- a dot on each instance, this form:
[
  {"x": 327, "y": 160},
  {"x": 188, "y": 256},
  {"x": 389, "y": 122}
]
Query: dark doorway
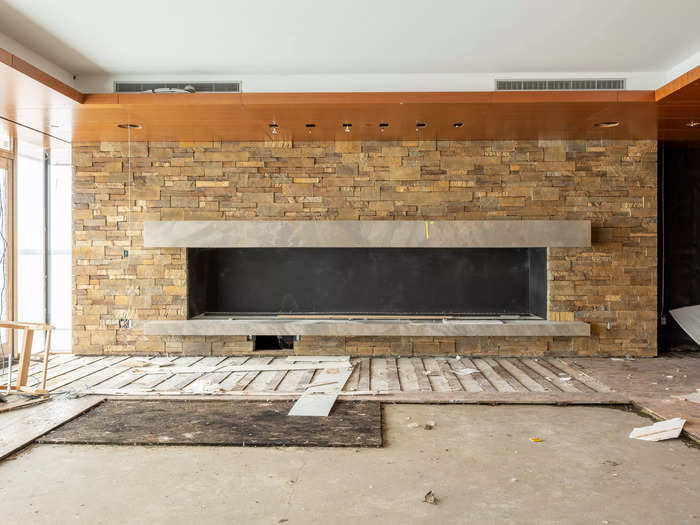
[{"x": 679, "y": 238}]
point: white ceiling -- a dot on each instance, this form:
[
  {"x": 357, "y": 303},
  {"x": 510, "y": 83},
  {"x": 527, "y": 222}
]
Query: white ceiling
[{"x": 231, "y": 39}]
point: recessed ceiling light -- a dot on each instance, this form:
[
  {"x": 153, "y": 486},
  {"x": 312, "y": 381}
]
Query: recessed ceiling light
[
  {"x": 383, "y": 126},
  {"x": 420, "y": 124},
  {"x": 128, "y": 125},
  {"x": 347, "y": 126},
  {"x": 607, "y": 124},
  {"x": 458, "y": 124},
  {"x": 310, "y": 125},
  {"x": 273, "y": 128},
  {"x": 693, "y": 123}
]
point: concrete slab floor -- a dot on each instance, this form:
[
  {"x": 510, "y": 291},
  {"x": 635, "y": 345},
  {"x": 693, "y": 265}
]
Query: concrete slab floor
[{"x": 478, "y": 460}]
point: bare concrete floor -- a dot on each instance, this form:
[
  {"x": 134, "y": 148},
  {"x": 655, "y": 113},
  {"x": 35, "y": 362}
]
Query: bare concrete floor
[{"x": 479, "y": 460}]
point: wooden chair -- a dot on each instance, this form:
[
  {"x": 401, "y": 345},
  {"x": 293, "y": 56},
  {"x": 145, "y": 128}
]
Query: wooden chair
[{"x": 28, "y": 330}]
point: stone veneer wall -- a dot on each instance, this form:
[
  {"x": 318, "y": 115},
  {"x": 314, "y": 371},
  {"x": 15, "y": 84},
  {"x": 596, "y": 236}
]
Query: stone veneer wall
[{"x": 613, "y": 183}]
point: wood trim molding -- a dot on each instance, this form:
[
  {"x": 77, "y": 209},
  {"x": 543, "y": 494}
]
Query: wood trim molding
[
  {"x": 677, "y": 83},
  {"x": 37, "y": 74}
]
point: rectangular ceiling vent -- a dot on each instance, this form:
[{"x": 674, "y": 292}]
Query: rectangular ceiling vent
[
  {"x": 591, "y": 84},
  {"x": 177, "y": 87}
]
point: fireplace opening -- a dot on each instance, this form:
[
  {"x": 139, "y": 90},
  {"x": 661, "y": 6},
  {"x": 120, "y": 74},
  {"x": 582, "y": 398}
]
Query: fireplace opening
[
  {"x": 393, "y": 282},
  {"x": 273, "y": 342}
]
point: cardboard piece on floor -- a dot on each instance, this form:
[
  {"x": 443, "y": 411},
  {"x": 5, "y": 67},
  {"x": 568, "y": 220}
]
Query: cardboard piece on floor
[
  {"x": 319, "y": 400},
  {"x": 668, "y": 429},
  {"x": 313, "y": 405},
  {"x": 688, "y": 318}
]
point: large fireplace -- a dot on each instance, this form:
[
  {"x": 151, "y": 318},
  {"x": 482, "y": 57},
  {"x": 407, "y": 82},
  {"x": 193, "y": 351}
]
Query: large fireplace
[
  {"x": 368, "y": 278},
  {"x": 488, "y": 282}
]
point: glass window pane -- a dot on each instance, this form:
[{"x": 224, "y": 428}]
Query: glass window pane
[
  {"x": 4, "y": 256},
  {"x": 31, "y": 271},
  {"x": 60, "y": 240}
]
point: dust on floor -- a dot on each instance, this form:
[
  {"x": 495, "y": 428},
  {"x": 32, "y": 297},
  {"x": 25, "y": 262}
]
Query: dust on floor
[{"x": 480, "y": 461}]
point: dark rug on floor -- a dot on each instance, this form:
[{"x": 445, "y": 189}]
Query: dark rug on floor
[{"x": 242, "y": 423}]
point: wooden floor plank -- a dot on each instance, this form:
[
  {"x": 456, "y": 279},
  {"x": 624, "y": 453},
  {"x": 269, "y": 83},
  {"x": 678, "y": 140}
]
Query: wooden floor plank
[
  {"x": 437, "y": 381},
  {"x": 392, "y": 375},
  {"x": 66, "y": 380},
  {"x": 550, "y": 375},
  {"x": 468, "y": 382},
  {"x": 354, "y": 380},
  {"x": 502, "y": 372},
  {"x": 424, "y": 384},
  {"x": 494, "y": 378},
  {"x": 248, "y": 377},
  {"x": 580, "y": 375},
  {"x": 407, "y": 375},
  {"x": 263, "y": 380},
  {"x": 479, "y": 377},
  {"x": 452, "y": 382},
  {"x": 530, "y": 384},
  {"x": 363, "y": 383},
  {"x": 40, "y": 419},
  {"x": 378, "y": 375}
]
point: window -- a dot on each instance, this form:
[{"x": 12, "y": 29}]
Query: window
[{"x": 43, "y": 203}]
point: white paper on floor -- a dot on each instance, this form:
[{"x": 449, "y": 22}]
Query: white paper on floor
[
  {"x": 688, "y": 318},
  {"x": 668, "y": 429}
]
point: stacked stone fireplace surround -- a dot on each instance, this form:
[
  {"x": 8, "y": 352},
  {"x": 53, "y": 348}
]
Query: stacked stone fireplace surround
[{"x": 612, "y": 285}]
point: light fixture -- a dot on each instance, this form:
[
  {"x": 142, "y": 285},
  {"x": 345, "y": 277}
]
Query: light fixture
[
  {"x": 607, "y": 124},
  {"x": 128, "y": 125},
  {"x": 420, "y": 126},
  {"x": 309, "y": 127},
  {"x": 274, "y": 128},
  {"x": 457, "y": 124},
  {"x": 347, "y": 126},
  {"x": 383, "y": 126},
  {"x": 692, "y": 124}
]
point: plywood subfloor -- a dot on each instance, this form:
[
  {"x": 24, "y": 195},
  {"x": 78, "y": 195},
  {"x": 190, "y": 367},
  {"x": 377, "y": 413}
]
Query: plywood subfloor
[
  {"x": 410, "y": 379},
  {"x": 245, "y": 423}
]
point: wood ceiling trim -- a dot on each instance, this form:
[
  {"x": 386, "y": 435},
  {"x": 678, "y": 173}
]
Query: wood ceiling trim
[{"x": 678, "y": 83}]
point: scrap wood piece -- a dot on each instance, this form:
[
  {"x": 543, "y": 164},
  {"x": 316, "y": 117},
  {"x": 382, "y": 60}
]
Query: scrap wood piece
[
  {"x": 41, "y": 419},
  {"x": 313, "y": 358},
  {"x": 276, "y": 367},
  {"x": 668, "y": 429},
  {"x": 22, "y": 403}
]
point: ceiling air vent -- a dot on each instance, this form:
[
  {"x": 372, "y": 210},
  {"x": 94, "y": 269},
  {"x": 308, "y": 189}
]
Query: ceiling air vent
[
  {"x": 177, "y": 87},
  {"x": 560, "y": 84}
]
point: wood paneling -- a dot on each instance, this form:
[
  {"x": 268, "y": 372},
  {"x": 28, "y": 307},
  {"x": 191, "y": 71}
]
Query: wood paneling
[{"x": 36, "y": 100}]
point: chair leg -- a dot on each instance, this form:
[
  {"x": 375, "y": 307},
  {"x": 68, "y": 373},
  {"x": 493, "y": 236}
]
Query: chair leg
[
  {"x": 25, "y": 358},
  {"x": 47, "y": 350}
]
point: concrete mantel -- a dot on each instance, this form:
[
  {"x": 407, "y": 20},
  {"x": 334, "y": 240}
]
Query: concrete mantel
[
  {"x": 367, "y": 327},
  {"x": 367, "y": 234}
]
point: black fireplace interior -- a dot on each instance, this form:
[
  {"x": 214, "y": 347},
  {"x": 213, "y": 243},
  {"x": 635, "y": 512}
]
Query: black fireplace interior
[{"x": 367, "y": 281}]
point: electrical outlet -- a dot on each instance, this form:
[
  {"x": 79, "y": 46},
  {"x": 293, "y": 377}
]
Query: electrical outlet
[{"x": 124, "y": 323}]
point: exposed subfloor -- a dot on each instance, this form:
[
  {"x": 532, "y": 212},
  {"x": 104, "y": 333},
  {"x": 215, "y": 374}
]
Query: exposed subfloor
[
  {"x": 479, "y": 460},
  {"x": 426, "y": 379}
]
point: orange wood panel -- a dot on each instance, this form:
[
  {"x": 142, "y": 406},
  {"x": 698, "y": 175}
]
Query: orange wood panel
[{"x": 678, "y": 84}]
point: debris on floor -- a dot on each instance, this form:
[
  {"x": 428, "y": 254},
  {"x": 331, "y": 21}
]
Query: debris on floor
[
  {"x": 465, "y": 371},
  {"x": 536, "y": 440},
  {"x": 693, "y": 397},
  {"x": 429, "y": 425},
  {"x": 431, "y": 498},
  {"x": 668, "y": 429}
]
